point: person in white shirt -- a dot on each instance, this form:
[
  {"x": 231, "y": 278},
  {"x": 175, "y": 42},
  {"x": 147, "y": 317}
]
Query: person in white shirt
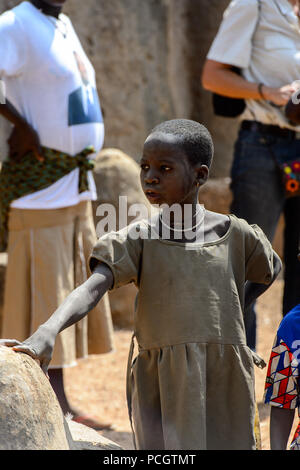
[
  {"x": 52, "y": 101},
  {"x": 262, "y": 39}
]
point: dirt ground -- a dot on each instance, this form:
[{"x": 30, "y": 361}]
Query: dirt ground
[{"x": 97, "y": 384}]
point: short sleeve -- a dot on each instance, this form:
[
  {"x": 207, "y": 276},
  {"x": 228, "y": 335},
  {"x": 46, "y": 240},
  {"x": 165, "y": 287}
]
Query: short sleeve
[
  {"x": 121, "y": 252},
  {"x": 12, "y": 45},
  {"x": 233, "y": 42},
  {"x": 259, "y": 256},
  {"x": 281, "y": 387}
]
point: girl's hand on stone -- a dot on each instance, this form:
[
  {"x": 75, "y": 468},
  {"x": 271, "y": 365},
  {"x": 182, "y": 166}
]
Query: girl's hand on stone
[{"x": 39, "y": 346}]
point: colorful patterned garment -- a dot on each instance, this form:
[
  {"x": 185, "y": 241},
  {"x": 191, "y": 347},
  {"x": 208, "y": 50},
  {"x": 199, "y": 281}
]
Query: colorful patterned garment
[
  {"x": 18, "y": 178},
  {"x": 283, "y": 378}
]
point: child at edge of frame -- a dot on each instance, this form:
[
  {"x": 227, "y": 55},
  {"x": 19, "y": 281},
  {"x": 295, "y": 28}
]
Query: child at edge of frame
[
  {"x": 282, "y": 386},
  {"x": 191, "y": 384}
]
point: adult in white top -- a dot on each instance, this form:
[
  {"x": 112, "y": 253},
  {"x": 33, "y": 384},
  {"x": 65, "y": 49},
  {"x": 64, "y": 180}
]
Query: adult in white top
[
  {"x": 52, "y": 101},
  {"x": 262, "y": 39},
  {"x": 50, "y": 81}
]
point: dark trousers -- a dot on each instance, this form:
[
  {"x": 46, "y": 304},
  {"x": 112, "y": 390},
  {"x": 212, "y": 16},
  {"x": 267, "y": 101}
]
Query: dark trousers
[{"x": 258, "y": 197}]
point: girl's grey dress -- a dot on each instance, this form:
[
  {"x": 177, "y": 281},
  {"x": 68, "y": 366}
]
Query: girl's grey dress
[{"x": 191, "y": 385}]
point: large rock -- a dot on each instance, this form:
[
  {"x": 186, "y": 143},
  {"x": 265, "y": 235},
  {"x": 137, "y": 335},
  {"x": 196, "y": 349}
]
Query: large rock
[{"x": 30, "y": 415}]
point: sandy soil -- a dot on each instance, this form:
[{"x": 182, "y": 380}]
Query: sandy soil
[{"x": 97, "y": 384}]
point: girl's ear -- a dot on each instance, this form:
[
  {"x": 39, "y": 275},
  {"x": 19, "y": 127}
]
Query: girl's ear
[{"x": 202, "y": 173}]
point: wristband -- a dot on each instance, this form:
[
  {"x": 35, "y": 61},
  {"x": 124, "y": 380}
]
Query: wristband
[{"x": 259, "y": 89}]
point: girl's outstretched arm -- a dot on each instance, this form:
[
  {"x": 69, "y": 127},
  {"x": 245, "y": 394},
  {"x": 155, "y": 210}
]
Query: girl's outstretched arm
[
  {"x": 254, "y": 290},
  {"x": 83, "y": 299}
]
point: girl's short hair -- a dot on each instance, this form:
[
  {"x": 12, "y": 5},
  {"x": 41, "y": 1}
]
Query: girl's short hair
[{"x": 195, "y": 139}]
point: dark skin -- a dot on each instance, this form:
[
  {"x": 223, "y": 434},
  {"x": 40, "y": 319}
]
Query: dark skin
[{"x": 180, "y": 178}]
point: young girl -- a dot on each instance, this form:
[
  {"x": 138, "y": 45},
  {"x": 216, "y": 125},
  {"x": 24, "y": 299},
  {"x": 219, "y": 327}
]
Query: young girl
[{"x": 191, "y": 385}]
